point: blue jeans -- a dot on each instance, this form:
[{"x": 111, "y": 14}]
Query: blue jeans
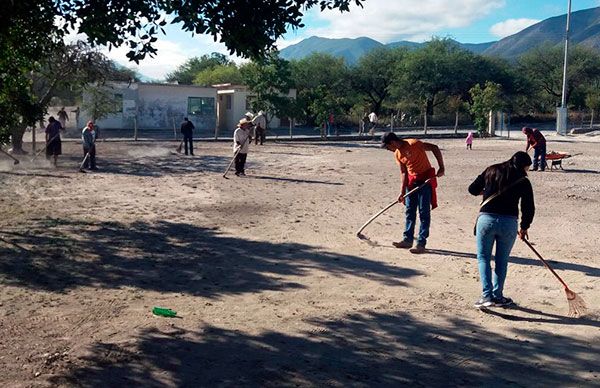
[
  {"x": 421, "y": 200},
  {"x": 503, "y": 231},
  {"x": 539, "y": 156}
]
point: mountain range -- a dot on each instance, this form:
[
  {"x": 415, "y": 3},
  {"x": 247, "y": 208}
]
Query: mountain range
[{"x": 584, "y": 29}]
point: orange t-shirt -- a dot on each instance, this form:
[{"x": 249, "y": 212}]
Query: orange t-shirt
[{"x": 413, "y": 157}]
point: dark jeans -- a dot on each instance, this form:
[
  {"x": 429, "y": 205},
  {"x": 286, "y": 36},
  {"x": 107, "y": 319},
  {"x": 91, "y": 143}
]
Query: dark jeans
[
  {"x": 188, "y": 139},
  {"x": 421, "y": 200},
  {"x": 91, "y": 160},
  {"x": 260, "y": 135},
  {"x": 539, "y": 157},
  {"x": 240, "y": 163}
]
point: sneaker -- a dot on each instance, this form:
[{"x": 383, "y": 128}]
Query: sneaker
[
  {"x": 403, "y": 244},
  {"x": 502, "y": 302},
  {"x": 484, "y": 301},
  {"x": 418, "y": 249}
]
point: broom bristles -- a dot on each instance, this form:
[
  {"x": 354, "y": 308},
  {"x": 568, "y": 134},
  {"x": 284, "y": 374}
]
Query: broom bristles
[{"x": 577, "y": 306}]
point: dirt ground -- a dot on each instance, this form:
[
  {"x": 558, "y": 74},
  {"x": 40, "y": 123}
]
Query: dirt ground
[{"x": 270, "y": 283}]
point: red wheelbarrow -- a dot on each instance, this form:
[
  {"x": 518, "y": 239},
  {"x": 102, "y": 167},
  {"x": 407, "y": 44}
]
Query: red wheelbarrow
[{"x": 556, "y": 157}]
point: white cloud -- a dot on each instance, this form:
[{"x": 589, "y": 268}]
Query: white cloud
[
  {"x": 170, "y": 54},
  {"x": 389, "y": 21},
  {"x": 511, "y": 26}
]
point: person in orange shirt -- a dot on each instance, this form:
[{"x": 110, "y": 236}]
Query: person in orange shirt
[{"x": 415, "y": 169}]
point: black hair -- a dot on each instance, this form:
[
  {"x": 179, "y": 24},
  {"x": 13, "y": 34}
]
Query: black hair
[
  {"x": 51, "y": 119},
  {"x": 185, "y": 119},
  {"x": 498, "y": 176},
  {"x": 389, "y": 137}
]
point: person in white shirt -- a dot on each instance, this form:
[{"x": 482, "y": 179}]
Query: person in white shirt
[
  {"x": 373, "y": 123},
  {"x": 260, "y": 129},
  {"x": 241, "y": 145}
]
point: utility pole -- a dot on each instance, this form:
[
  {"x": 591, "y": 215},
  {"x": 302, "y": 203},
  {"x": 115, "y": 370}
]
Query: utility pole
[{"x": 562, "y": 113}]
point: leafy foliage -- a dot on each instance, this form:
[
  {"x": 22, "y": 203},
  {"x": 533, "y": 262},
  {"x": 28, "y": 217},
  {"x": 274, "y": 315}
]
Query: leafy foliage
[
  {"x": 186, "y": 73},
  {"x": 270, "y": 80},
  {"x": 486, "y": 99}
]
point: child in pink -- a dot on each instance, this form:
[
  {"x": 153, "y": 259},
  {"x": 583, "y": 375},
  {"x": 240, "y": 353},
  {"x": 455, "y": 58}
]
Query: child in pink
[{"x": 469, "y": 141}]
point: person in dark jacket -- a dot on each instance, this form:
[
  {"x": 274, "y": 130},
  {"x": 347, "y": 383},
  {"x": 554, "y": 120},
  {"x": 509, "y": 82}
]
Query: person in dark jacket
[
  {"x": 53, "y": 142},
  {"x": 187, "y": 130},
  {"x": 503, "y": 186},
  {"x": 537, "y": 141}
]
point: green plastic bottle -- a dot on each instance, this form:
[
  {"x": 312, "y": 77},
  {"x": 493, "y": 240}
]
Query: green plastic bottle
[{"x": 164, "y": 312}]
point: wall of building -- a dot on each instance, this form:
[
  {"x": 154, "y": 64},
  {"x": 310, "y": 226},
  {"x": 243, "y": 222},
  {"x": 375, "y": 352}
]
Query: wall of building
[{"x": 161, "y": 107}]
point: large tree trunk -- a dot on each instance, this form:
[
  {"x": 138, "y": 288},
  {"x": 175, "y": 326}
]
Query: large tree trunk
[
  {"x": 592, "y": 120},
  {"x": 425, "y": 122},
  {"x": 16, "y": 140},
  {"x": 456, "y": 122}
]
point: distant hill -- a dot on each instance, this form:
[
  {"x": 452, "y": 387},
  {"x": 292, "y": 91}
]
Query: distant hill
[
  {"x": 585, "y": 29},
  {"x": 349, "y": 49}
]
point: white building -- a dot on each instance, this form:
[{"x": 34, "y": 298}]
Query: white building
[
  {"x": 234, "y": 101},
  {"x": 155, "y": 106}
]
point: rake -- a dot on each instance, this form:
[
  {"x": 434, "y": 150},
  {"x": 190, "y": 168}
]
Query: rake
[
  {"x": 577, "y": 306},
  {"x": 359, "y": 232},
  {"x": 15, "y": 160}
]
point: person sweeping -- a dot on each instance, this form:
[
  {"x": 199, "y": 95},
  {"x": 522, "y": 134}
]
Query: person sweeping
[
  {"x": 89, "y": 134},
  {"x": 415, "y": 169},
  {"x": 503, "y": 186},
  {"x": 241, "y": 145},
  {"x": 537, "y": 141}
]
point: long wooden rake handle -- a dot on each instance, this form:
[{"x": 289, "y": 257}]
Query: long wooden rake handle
[
  {"x": 546, "y": 264},
  {"x": 231, "y": 163},
  {"x": 17, "y": 161},
  {"x": 358, "y": 233},
  {"x": 45, "y": 146}
]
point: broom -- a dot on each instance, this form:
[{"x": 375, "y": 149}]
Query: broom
[{"x": 577, "y": 307}]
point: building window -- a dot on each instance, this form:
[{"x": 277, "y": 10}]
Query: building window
[
  {"x": 118, "y": 98},
  {"x": 201, "y": 106},
  {"x": 228, "y": 101}
]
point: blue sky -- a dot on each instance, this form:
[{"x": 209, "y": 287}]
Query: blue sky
[{"x": 468, "y": 21}]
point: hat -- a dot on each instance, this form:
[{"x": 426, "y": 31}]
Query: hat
[
  {"x": 249, "y": 115},
  {"x": 387, "y": 138},
  {"x": 244, "y": 121}
]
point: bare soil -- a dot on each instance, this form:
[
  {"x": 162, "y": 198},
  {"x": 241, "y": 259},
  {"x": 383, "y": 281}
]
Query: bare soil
[{"x": 270, "y": 283}]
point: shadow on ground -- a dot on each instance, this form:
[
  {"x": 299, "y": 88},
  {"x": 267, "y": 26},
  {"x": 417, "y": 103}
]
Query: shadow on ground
[
  {"x": 60, "y": 254},
  {"x": 361, "y": 349}
]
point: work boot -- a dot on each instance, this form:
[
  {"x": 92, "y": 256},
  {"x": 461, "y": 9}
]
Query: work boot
[
  {"x": 418, "y": 249},
  {"x": 403, "y": 244}
]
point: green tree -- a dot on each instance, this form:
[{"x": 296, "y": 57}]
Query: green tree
[
  {"x": 186, "y": 72},
  {"x": 592, "y": 101},
  {"x": 543, "y": 67},
  {"x": 30, "y": 31},
  {"x": 433, "y": 71},
  {"x": 75, "y": 64},
  {"x": 100, "y": 102},
  {"x": 270, "y": 81},
  {"x": 323, "y": 84},
  {"x": 219, "y": 75},
  {"x": 374, "y": 74},
  {"x": 485, "y": 101}
]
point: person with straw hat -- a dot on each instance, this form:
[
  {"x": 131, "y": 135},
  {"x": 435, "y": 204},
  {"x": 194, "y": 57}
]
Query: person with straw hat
[{"x": 241, "y": 144}]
